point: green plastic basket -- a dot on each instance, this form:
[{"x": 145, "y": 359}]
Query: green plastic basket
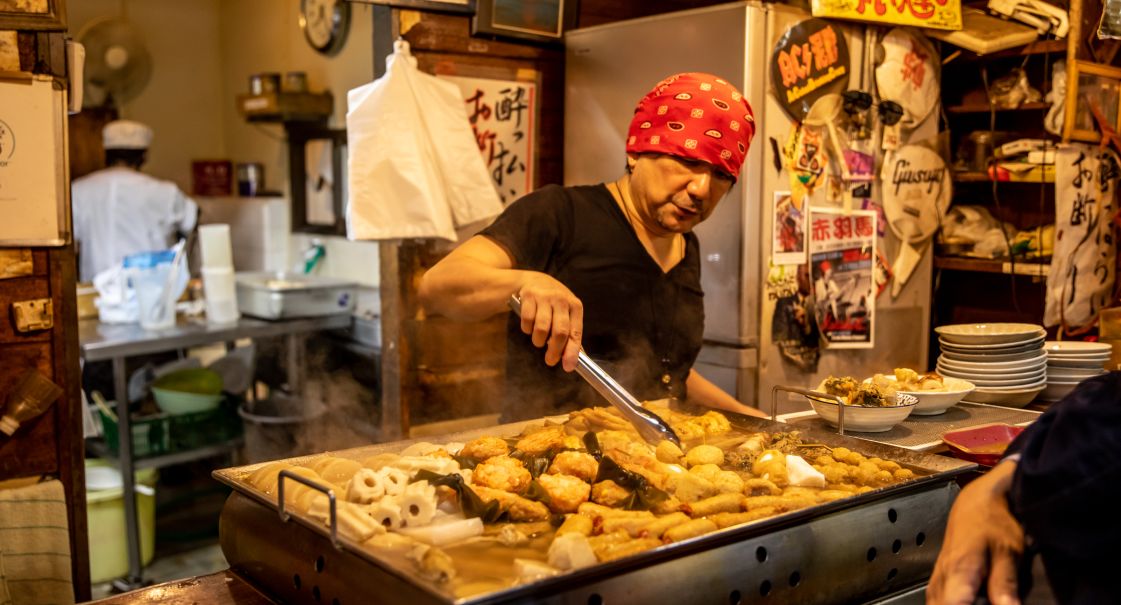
[{"x": 171, "y": 433}]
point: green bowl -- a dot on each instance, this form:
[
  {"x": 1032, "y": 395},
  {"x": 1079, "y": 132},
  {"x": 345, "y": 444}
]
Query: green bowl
[{"x": 188, "y": 391}]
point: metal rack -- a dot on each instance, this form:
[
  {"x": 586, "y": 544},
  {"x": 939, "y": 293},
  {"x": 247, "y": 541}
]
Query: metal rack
[{"x": 118, "y": 342}]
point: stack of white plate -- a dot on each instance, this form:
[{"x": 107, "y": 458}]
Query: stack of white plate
[
  {"x": 1071, "y": 362},
  {"x": 1004, "y": 360}
]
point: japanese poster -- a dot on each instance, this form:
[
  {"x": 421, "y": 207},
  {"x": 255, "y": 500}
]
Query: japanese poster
[
  {"x": 937, "y": 14},
  {"x": 809, "y": 60},
  {"x": 842, "y": 253},
  {"x": 789, "y": 238},
  {"x": 503, "y": 115},
  {"x": 1083, "y": 264}
]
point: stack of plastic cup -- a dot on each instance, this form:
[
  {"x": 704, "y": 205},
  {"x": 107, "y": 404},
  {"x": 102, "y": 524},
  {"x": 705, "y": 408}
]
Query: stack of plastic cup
[{"x": 218, "y": 274}]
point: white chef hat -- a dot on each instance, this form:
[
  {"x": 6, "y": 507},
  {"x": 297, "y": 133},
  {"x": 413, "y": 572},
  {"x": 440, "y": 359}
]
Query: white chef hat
[{"x": 126, "y": 134}]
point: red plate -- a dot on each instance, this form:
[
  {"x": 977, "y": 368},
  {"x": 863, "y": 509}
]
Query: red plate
[{"x": 983, "y": 444}]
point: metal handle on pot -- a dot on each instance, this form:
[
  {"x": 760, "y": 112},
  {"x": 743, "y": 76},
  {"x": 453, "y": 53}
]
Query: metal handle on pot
[
  {"x": 812, "y": 394},
  {"x": 333, "y": 517}
]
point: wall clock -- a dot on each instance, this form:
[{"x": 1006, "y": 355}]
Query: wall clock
[{"x": 325, "y": 24}]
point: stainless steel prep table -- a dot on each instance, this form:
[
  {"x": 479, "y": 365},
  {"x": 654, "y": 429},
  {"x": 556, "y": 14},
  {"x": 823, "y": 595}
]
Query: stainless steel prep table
[{"x": 117, "y": 342}]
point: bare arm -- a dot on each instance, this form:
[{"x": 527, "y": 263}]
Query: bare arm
[
  {"x": 476, "y": 280},
  {"x": 702, "y": 392},
  {"x": 982, "y": 539}
]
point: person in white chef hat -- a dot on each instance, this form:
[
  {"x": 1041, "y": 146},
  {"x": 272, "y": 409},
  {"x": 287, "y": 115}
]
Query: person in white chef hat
[{"x": 119, "y": 210}]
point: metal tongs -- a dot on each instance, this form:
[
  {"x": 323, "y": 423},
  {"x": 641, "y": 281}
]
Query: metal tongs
[{"x": 652, "y": 428}]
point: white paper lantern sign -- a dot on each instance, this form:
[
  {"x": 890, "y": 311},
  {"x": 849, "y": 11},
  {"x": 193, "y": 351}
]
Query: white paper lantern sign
[{"x": 908, "y": 74}]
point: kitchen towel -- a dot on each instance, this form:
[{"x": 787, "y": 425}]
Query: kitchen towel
[
  {"x": 35, "y": 546},
  {"x": 413, "y": 165}
]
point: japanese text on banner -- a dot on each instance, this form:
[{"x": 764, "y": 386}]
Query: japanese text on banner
[{"x": 503, "y": 116}]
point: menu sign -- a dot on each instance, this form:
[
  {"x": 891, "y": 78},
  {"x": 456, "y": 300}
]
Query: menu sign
[
  {"x": 810, "y": 60},
  {"x": 502, "y": 115},
  {"x": 937, "y": 14}
]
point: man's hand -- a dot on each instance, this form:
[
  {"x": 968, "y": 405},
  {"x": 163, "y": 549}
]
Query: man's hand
[
  {"x": 982, "y": 539},
  {"x": 554, "y": 317}
]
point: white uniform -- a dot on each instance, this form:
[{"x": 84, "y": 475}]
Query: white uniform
[{"x": 120, "y": 211}]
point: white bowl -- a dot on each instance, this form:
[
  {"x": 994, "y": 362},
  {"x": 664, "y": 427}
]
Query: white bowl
[
  {"x": 1038, "y": 360},
  {"x": 1077, "y": 347},
  {"x": 1000, "y": 347},
  {"x": 1055, "y": 392},
  {"x": 1014, "y": 399},
  {"x": 1032, "y": 365},
  {"x": 995, "y": 357},
  {"x": 1077, "y": 356},
  {"x": 989, "y": 333},
  {"x": 866, "y": 419},
  {"x": 1053, "y": 372},
  {"x": 1077, "y": 363},
  {"x": 931, "y": 403},
  {"x": 1013, "y": 389},
  {"x": 1005, "y": 380}
]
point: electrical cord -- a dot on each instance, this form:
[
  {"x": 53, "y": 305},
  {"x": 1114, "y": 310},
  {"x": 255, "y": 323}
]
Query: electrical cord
[{"x": 991, "y": 171}]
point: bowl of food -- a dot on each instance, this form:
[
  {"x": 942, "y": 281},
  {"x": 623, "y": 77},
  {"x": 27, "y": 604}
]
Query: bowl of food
[
  {"x": 935, "y": 393},
  {"x": 868, "y": 407}
]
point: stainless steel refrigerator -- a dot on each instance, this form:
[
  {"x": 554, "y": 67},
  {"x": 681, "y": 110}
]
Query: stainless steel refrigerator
[{"x": 610, "y": 67}]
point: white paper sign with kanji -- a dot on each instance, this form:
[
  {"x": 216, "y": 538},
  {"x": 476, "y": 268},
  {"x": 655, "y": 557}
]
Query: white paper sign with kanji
[
  {"x": 1080, "y": 282},
  {"x": 503, "y": 115}
]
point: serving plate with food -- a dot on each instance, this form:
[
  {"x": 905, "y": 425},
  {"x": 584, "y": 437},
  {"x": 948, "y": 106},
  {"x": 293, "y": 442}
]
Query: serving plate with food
[
  {"x": 582, "y": 506},
  {"x": 934, "y": 393}
]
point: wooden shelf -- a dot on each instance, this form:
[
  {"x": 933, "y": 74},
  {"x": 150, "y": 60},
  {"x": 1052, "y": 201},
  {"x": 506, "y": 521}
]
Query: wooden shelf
[
  {"x": 1038, "y": 47},
  {"x": 286, "y": 107},
  {"x": 982, "y": 108},
  {"x": 1033, "y": 268},
  {"x": 960, "y": 176}
]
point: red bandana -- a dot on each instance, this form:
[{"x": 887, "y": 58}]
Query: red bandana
[{"x": 695, "y": 116}]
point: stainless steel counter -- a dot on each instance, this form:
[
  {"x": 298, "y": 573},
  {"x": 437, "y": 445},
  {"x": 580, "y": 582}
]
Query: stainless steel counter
[{"x": 108, "y": 341}]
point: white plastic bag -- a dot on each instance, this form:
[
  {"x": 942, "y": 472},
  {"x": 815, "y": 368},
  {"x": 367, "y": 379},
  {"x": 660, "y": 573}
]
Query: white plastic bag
[{"x": 414, "y": 167}]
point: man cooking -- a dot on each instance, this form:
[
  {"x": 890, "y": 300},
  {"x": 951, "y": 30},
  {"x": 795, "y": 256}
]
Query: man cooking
[
  {"x": 119, "y": 210},
  {"x": 613, "y": 268}
]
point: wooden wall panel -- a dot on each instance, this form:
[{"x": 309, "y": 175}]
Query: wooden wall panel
[
  {"x": 598, "y": 12},
  {"x": 53, "y": 443}
]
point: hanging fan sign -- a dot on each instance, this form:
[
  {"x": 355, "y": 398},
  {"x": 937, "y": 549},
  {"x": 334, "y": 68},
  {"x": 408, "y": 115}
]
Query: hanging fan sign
[
  {"x": 916, "y": 192},
  {"x": 909, "y": 74},
  {"x": 810, "y": 60},
  {"x": 938, "y": 14}
]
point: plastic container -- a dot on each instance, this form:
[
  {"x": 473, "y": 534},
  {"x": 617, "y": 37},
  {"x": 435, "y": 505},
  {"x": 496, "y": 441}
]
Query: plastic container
[
  {"x": 188, "y": 391},
  {"x": 150, "y": 282},
  {"x": 167, "y": 434},
  {"x": 221, "y": 295},
  {"x": 214, "y": 243},
  {"x": 105, "y": 512},
  {"x": 983, "y": 444}
]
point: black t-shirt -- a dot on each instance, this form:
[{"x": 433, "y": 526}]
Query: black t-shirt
[
  {"x": 643, "y": 326},
  {"x": 1067, "y": 486}
]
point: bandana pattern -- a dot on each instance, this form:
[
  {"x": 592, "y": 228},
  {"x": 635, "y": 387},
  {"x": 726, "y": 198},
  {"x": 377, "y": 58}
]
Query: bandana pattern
[{"x": 695, "y": 116}]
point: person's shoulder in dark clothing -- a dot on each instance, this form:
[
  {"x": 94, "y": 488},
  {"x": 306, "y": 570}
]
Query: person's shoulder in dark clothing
[{"x": 1067, "y": 488}]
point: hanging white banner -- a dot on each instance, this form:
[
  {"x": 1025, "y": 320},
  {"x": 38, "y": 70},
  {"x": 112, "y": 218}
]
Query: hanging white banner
[{"x": 1083, "y": 265}]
